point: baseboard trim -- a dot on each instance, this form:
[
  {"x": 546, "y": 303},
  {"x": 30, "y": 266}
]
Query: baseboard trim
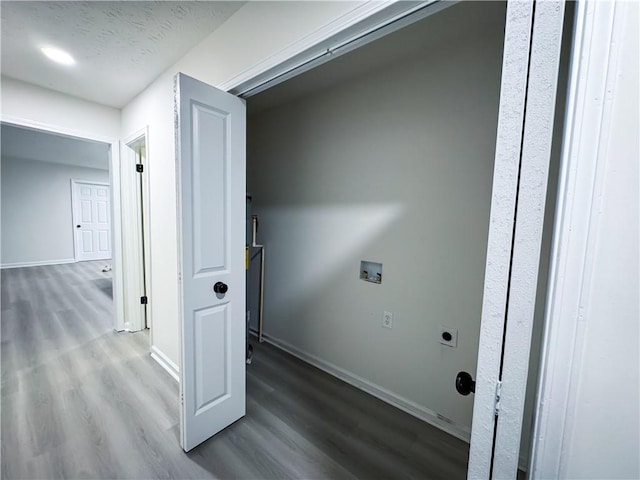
[
  {"x": 165, "y": 362},
  {"x": 41, "y": 263},
  {"x": 412, "y": 408}
]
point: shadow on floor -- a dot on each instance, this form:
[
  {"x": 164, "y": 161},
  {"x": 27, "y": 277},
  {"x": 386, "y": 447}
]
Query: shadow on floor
[{"x": 105, "y": 285}]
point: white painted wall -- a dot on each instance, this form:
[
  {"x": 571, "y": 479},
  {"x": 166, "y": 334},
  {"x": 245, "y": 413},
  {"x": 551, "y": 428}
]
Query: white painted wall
[
  {"x": 253, "y": 35},
  {"x": 37, "y": 225},
  {"x": 589, "y": 414},
  {"x": 396, "y": 167},
  {"x": 23, "y": 102}
]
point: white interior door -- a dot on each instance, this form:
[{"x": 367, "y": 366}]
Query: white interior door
[
  {"x": 92, "y": 221},
  {"x": 211, "y": 208}
]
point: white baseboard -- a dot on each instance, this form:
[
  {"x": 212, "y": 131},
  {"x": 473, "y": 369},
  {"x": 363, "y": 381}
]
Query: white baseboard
[
  {"x": 41, "y": 263},
  {"x": 377, "y": 391},
  {"x": 165, "y": 362}
]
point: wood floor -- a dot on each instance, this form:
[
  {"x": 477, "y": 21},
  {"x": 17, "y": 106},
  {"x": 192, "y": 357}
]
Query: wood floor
[{"x": 81, "y": 401}]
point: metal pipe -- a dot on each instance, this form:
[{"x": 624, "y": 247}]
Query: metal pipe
[
  {"x": 261, "y": 307},
  {"x": 254, "y": 220}
]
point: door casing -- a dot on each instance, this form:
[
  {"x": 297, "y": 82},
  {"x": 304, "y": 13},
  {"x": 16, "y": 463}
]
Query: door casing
[
  {"x": 516, "y": 72},
  {"x": 135, "y": 232},
  {"x": 114, "y": 181}
]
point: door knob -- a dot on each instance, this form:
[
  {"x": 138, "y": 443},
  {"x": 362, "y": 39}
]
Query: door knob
[
  {"x": 465, "y": 383},
  {"x": 77, "y": 226},
  {"x": 220, "y": 288}
]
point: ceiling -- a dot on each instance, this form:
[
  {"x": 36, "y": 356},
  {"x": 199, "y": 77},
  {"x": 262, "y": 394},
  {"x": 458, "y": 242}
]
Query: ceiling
[
  {"x": 120, "y": 47},
  {"x": 411, "y": 43},
  {"x": 28, "y": 144}
]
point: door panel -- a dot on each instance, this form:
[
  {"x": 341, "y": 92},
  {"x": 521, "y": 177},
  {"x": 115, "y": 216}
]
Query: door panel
[
  {"x": 210, "y": 198},
  {"x": 211, "y": 209},
  {"x": 87, "y": 242},
  {"x": 212, "y": 360}
]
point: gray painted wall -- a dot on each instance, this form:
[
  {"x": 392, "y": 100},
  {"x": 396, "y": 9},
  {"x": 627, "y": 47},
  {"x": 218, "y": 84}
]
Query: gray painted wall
[
  {"x": 394, "y": 167},
  {"x": 36, "y": 210}
]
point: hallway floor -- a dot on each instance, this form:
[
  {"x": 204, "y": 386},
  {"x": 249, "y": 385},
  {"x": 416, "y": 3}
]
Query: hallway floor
[{"x": 81, "y": 401}]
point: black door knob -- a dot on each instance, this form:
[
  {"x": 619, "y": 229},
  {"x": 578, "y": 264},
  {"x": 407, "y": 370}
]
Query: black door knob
[
  {"x": 465, "y": 383},
  {"x": 77, "y": 226},
  {"x": 220, "y": 288}
]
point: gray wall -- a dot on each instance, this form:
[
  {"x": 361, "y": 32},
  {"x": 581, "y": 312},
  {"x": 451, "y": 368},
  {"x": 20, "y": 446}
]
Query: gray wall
[
  {"x": 395, "y": 167},
  {"x": 36, "y": 210}
]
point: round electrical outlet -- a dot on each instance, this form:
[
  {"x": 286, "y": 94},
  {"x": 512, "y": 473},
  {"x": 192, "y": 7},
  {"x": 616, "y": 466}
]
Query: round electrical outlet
[{"x": 446, "y": 336}]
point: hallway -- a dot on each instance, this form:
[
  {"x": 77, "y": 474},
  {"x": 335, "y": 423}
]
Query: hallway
[{"x": 81, "y": 401}]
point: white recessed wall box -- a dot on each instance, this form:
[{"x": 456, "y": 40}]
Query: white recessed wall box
[{"x": 371, "y": 272}]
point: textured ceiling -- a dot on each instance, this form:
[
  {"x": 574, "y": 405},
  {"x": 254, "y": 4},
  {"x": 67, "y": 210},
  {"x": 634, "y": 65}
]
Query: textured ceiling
[
  {"x": 120, "y": 47},
  {"x": 27, "y": 144}
]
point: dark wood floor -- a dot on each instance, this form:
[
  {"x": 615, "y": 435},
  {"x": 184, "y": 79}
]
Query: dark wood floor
[{"x": 81, "y": 401}]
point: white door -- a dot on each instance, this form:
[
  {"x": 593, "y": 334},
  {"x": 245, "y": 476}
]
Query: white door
[
  {"x": 211, "y": 209},
  {"x": 91, "y": 221}
]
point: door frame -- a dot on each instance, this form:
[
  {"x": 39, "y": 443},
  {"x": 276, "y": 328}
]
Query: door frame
[
  {"x": 75, "y": 214},
  {"x": 349, "y": 33},
  {"x": 136, "y": 241},
  {"x": 594, "y": 70},
  {"x": 532, "y": 184},
  {"x": 114, "y": 181}
]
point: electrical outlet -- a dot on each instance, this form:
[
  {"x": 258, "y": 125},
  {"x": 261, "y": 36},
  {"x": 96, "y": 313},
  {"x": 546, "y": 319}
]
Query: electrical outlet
[
  {"x": 448, "y": 337},
  {"x": 387, "y": 320}
]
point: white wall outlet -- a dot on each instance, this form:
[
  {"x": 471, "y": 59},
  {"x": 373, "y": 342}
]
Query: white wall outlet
[
  {"x": 448, "y": 336},
  {"x": 387, "y": 320}
]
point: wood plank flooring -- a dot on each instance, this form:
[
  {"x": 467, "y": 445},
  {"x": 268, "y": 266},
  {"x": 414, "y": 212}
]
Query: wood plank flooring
[{"x": 81, "y": 401}]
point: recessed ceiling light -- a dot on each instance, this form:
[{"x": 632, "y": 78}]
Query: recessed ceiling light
[{"x": 57, "y": 55}]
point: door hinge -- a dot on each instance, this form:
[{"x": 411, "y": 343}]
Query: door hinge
[
  {"x": 182, "y": 398},
  {"x": 496, "y": 400},
  {"x": 144, "y": 300},
  {"x": 139, "y": 168}
]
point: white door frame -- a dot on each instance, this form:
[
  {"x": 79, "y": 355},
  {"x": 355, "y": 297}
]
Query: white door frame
[
  {"x": 516, "y": 75},
  {"x": 598, "y": 37},
  {"x": 114, "y": 180},
  {"x": 515, "y": 71},
  {"x": 75, "y": 214},
  {"x": 135, "y": 234},
  {"x": 535, "y": 155}
]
